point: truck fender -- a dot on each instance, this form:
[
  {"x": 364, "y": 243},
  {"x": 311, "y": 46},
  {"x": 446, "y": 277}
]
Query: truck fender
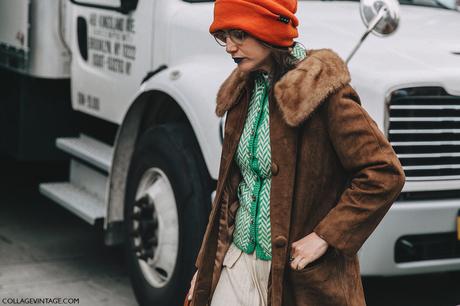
[{"x": 193, "y": 86}]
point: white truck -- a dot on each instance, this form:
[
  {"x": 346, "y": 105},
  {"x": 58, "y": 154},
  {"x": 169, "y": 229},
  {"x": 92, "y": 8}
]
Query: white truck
[{"x": 126, "y": 88}]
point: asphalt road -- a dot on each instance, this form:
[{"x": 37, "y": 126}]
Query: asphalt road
[{"x": 45, "y": 251}]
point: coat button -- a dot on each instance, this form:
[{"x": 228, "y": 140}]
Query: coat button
[
  {"x": 274, "y": 168},
  {"x": 280, "y": 241}
]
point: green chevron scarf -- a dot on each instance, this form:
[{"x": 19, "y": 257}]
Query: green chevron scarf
[{"x": 253, "y": 156}]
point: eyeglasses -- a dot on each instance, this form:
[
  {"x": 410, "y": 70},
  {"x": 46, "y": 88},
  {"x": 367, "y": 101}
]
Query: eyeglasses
[{"x": 237, "y": 36}]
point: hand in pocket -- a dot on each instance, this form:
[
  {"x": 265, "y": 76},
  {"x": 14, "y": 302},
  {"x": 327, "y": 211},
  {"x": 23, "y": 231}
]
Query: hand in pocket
[{"x": 307, "y": 250}]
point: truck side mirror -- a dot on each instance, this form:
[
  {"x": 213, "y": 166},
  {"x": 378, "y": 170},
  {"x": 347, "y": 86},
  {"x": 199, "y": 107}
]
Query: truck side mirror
[{"x": 381, "y": 17}]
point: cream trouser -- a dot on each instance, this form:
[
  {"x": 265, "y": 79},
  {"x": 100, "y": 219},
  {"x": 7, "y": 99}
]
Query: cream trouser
[{"x": 243, "y": 281}]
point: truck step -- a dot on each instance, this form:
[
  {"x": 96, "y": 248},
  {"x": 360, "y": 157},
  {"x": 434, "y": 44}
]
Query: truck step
[
  {"x": 87, "y": 178},
  {"x": 88, "y": 149},
  {"x": 86, "y": 205}
]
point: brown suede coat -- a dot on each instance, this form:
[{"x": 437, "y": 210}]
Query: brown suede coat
[{"x": 334, "y": 173}]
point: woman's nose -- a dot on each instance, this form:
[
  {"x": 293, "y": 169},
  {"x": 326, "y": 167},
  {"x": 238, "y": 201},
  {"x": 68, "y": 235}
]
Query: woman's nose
[{"x": 230, "y": 46}]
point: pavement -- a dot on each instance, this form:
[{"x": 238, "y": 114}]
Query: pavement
[{"x": 47, "y": 252}]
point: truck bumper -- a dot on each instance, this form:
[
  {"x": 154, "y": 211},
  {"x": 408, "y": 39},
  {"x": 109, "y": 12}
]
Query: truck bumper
[{"x": 421, "y": 217}]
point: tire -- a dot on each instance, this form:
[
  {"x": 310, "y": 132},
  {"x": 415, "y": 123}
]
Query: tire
[{"x": 174, "y": 210}]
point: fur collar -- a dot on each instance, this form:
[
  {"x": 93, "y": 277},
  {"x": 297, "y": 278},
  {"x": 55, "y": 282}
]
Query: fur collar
[{"x": 300, "y": 91}]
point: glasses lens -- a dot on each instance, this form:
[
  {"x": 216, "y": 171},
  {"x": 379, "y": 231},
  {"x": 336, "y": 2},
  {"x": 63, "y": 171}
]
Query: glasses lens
[
  {"x": 220, "y": 37},
  {"x": 237, "y": 36}
]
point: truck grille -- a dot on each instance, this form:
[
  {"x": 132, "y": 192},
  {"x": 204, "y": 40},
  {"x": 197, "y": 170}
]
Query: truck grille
[{"x": 424, "y": 130}]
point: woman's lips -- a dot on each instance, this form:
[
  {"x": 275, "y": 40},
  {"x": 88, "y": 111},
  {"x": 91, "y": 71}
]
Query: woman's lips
[{"x": 238, "y": 59}]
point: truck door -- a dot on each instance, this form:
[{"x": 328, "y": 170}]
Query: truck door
[{"x": 111, "y": 42}]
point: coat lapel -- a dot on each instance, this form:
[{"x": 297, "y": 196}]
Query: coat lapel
[{"x": 234, "y": 129}]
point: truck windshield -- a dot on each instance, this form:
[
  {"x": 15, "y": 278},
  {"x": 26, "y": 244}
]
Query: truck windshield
[{"x": 445, "y": 4}]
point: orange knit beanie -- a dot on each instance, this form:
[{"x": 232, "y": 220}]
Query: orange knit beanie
[{"x": 272, "y": 21}]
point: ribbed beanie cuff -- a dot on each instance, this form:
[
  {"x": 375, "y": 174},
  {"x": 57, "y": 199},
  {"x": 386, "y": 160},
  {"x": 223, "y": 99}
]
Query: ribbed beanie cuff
[{"x": 272, "y": 21}]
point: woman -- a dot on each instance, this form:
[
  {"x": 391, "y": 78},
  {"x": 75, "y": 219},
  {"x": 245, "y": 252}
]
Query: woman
[{"x": 305, "y": 174}]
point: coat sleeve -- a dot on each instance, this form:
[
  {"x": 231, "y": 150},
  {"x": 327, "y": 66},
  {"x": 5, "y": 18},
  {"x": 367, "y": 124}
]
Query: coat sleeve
[{"x": 377, "y": 176}]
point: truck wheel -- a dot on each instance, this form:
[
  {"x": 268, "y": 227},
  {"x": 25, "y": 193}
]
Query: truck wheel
[{"x": 166, "y": 210}]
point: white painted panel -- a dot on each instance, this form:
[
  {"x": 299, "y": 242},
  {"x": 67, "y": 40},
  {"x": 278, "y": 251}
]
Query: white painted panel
[
  {"x": 14, "y": 23},
  {"x": 119, "y": 57}
]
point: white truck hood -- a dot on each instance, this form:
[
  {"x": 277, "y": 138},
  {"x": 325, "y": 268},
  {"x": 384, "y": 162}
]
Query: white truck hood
[{"x": 425, "y": 49}]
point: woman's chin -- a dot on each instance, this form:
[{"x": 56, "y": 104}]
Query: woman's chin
[{"x": 245, "y": 67}]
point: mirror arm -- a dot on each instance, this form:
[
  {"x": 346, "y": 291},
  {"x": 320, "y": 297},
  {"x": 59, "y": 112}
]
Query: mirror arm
[{"x": 371, "y": 26}]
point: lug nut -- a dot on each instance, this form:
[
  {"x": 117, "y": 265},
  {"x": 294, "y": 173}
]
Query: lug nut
[
  {"x": 137, "y": 214},
  {"x": 146, "y": 254},
  {"x": 152, "y": 242},
  {"x": 137, "y": 248}
]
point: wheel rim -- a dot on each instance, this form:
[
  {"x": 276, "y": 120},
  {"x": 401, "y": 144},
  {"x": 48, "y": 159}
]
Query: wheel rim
[{"x": 155, "y": 227}]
